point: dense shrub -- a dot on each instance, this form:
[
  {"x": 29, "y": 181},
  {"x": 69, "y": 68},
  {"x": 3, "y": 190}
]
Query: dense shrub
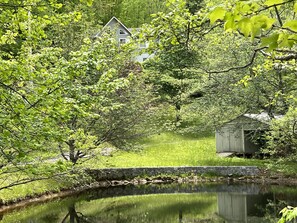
[{"x": 282, "y": 137}]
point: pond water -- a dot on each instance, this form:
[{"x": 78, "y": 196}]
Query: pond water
[{"x": 181, "y": 203}]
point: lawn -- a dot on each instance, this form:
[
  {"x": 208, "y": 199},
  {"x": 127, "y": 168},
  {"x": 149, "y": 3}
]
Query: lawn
[
  {"x": 172, "y": 149},
  {"x": 166, "y": 149}
]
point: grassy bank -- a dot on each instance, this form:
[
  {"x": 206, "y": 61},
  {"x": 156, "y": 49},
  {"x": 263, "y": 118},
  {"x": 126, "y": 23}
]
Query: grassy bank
[
  {"x": 166, "y": 149},
  {"x": 171, "y": 149}
]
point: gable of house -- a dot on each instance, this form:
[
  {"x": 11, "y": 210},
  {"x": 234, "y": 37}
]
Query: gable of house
[{"x": 123, "y": 35}]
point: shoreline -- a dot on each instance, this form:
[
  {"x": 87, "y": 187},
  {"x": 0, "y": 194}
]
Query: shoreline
[{"x": 264, "y": 178}]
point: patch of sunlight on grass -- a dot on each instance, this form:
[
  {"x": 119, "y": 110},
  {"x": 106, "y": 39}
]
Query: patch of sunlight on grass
[{"x": 171, "y": 149}]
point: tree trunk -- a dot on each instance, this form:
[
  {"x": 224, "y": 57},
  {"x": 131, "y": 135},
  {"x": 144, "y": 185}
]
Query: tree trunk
[
  {"x": 72, "y": 157},
  {"x": 177, "y": 112}
]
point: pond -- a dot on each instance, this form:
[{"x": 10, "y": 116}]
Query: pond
[{"x": 181, "y": 203}]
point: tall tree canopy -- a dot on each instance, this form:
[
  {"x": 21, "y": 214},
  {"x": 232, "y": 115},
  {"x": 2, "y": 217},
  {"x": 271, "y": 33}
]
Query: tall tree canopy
[{"x": 63, "y": 97}]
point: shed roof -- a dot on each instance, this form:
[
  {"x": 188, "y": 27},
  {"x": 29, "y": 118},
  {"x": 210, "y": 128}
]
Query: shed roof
[{"x": 262, "y": 117}]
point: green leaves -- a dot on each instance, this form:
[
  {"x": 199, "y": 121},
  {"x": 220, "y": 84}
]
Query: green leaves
[
  {"x": 273, "y": 2},
  {"x": 270, "y": 41},
  {"x": 249, "y": 26},
  {"x": 253, "y": 21},
  {"x": 288, "y": 214},
  {"x": 281, "y": 39},
  {"x": 295, "y": 7},
  {"x": 217, "y": 14},
  {"x": 88, "y": 2},
  {"x": 245, "y": 26},
  {"x": 291, "y": 25}
]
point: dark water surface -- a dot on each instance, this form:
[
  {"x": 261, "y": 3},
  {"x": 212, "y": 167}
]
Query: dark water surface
[{"x": 163, "y": 203}]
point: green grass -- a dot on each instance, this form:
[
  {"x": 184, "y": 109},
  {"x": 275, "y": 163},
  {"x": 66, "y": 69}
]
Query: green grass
[
  {"x": 166, "y": 149},
  {"x": 30, "y": 189},
  {"x": 171, "y": 149}
]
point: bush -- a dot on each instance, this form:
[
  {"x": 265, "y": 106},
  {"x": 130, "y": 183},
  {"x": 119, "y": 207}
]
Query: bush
[
  {"x": 282, "y": 137},
  {"x": 289, "y": 214}
]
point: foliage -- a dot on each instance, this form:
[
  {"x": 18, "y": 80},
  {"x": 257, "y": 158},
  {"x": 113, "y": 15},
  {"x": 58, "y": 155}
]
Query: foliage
[
  {"x": 32, "y": 76},
  {"x": 55, "y": 97},
  {"x": 260, "y": 19},
  {"x": 224, "y": 96},
  {"x": 288, "y": 214},
  {"x": 174, "y": 53},
  {"x": 63, "y": 93},
  {"x": 96, "y": 92},
  {"x": 281, "y": 138},
  {"x": 269, "y": 26},
  {"x": 134, "y": 13}
]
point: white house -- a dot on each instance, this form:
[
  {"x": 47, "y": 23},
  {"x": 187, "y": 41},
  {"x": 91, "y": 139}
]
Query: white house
[{"x": 123, "y": 35}]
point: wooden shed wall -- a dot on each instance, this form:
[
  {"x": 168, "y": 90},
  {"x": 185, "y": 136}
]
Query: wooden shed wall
[
  {"x": 232, "y": 136},
  {"x": 229, "y": 140}
]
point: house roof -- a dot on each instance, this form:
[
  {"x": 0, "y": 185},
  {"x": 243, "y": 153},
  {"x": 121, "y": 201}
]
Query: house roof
[{"x": 110, "y": 22}]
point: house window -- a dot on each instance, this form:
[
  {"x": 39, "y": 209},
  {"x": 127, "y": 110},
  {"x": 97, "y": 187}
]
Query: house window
[
  {"x": 122, "y": 32},
  {"x": 122, "y": 41}
]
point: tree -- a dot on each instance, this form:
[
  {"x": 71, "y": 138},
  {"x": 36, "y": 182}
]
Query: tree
[
  {"x": 174, "y": 53},
  {"x": 269, "y": 25},
  {"x": 271, "y": 21},
  {"x": 54, "y": 97},
  {"x": 135, "y": 13},
  {"x": 106, "y": 98},
  {"x": 31, "y": 88},
  {"x": 31, "y": 76},
  {"x": 282, "y": 138}
]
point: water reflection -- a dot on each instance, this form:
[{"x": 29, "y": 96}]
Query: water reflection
[
  {"x": 237, "y": 208},
  {"x": 214, "y": 203},
  {"x": 73, "y": 216}
]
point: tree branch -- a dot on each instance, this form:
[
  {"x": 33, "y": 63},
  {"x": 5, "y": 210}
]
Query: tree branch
[
  {"x": 2, "y": 5},
  {"x": 272, "y": 6},
  {"x": 62, "y": 153},
  {"x": 278, "y": 16},
  {"x": 15, "y": 91},
  {"x": 238, "y": 67},
  {"x": 23, "y": 181},
  {"x": 292, "y": 55}
]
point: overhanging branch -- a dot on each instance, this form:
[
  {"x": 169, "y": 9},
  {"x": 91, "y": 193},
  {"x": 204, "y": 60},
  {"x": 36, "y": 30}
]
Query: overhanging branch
[
  {"x": 289, "y": 56},
  {"x": 238, "y": 67}
]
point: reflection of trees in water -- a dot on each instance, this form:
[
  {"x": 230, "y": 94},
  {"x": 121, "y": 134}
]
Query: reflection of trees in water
[
  {"x": 76, "y": 217},
  {"x": 273, "y": 208}
]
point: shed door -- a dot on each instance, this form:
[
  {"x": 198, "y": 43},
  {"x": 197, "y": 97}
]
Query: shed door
[
  {"x": 229, "y": 139},
  {"x": 235, "y": 140}
]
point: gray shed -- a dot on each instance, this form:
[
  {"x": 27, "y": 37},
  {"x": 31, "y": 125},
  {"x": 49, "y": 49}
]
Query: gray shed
[
  {"x": 240, "y": 134},
  {"x": 242, "y": 208}
]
